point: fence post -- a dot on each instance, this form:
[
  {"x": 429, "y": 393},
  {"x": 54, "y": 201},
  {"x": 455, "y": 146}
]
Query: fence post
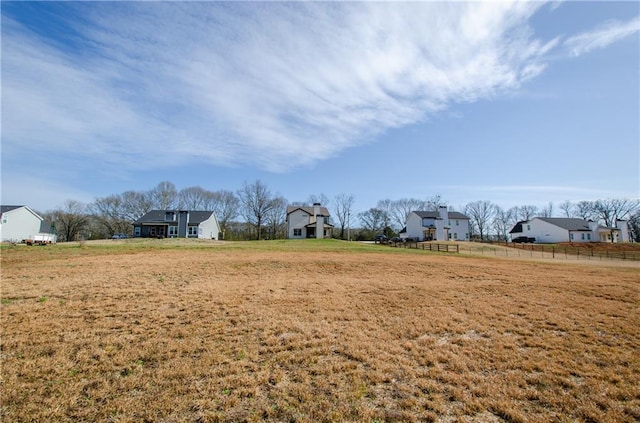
[{"x": 553, "y": 252}]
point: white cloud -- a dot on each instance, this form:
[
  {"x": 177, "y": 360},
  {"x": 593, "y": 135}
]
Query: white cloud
[
  {"x": 273, "y": 85},
  {"x": 601, "y": 37}
]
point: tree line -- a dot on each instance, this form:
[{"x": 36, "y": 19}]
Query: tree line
[{"x": 255, "y": 212}]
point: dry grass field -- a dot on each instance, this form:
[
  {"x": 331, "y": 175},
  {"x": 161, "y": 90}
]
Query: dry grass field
[{"x": 312, "y": 331}]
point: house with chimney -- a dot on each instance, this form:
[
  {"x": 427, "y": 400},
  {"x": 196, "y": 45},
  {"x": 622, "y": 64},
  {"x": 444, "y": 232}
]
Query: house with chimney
[
  {"x": 436, "y": 225},
  {"x": 308, "y": 222}
]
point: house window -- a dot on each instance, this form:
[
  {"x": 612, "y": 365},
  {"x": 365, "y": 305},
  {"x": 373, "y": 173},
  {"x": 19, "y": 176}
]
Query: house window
[
  {"x": 136, "y": 231},
  {"x": 528, "y": 227},
  {"x": 449, "y": 235},
  {"x": 193, "y": 230},
  {"x": 589, "y": 237},
  {"x": 170, "y": 216},
  {"x": 457, "y": 223},
  {"x": 582, "y": 237},
  {"x": 297, "y": 232},
  {"x": 455, "y": 235},
  {"x": 571, "y": 236},
  {"x": 173, "y": 231},
  {"x": 466, "y": 235}
]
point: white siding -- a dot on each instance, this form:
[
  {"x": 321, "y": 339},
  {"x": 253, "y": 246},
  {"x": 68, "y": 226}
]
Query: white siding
[
  {"x": 459, "y": 229},
  {"x": 414, "y": 226},
  {"x": 210, "y": 228},
  {"x": 297, "y": 220},
  {"x": 19, "y": 224},
  {"x": 544, "y": 232}
]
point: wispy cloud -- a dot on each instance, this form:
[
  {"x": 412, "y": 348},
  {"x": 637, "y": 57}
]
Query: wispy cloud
[
  {"x": 272, "y": 85},
  {"x": 602, "y": 36}
]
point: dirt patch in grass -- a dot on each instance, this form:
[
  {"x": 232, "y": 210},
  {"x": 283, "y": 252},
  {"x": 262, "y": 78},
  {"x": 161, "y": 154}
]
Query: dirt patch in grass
[{"x": 234, "y": 334}]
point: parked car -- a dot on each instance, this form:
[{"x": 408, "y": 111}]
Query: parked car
[
  {"x": 120, "y": 236},
  {"x": 382, "y": 239},
  {"x": 523, "y": 240}
]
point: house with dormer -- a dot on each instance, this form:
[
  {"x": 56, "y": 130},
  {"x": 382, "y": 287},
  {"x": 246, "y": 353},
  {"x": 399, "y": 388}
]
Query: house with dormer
[
  {"x": 177, "y": 224},
  {"x": 308, "y": 222}
]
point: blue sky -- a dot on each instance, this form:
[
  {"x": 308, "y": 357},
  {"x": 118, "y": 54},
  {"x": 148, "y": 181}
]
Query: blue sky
[{"x": 513, "y": 102}]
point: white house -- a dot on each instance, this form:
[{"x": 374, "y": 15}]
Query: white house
[
  {"x": 19, "y": 223},
  {"x": 177, "y": 224},
  {"x": 440, "y": 225},
  {"x": 308, "y": 222},
  {"x": 560, "y": 229}
]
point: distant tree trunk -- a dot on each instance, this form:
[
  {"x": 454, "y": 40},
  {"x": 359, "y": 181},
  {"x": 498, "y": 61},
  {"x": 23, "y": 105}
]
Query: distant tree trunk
[
  {"x": 343, "y": 206},
  {"x": 71, "y": 221},
  {"x": 256, "y": 201},
  {"x": 480, "y": 213}
]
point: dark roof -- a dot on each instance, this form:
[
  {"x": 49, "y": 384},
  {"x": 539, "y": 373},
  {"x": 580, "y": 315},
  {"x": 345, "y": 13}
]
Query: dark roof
[
  {"x": 568, "y": 223},
  {"x": 309, "y": 210},
  {"x": 4, "y": 209},
  {"x": 517, "y": 228},
  {"x": 572, "y": 224},
  {"x": 157, "y": 216},
  {"x": 436, "y": 215}
]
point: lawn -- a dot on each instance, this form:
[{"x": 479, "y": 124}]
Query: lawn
[{"x": 172, "y": 331}]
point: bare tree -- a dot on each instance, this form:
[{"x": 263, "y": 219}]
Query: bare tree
[
  {"x": 385, "y": 206},
  {"x": 110, "y": 214},
  {"x": 257, "y": 202},
  {"x": 567, "y": 208},
  {"x": 502, "y": 222},
  {"x": 586, "y": 210},
  {"x": 136, "y": 204},
  {"x": 71, "y": 220},
  {"x": 547, "y": 211},
  {"x": 226, "y": 205},
  {"x": 480, "y": 214},
  {"x": 193, "y": 198},
  {"x": 343, "y": 205},
  {"x": 275, "y": 218},
  {"x": 634, "y": 226},
  {"x": 400, "y": 209},
  {"x": 372, "y": 220},
  {"x": 435, "y": 201},
  {"x": 611, "y": 210},
  {"x": 321, "y": 198},
  {"x": 165, "y": 196},
  {"x": 526, "y": 212}
]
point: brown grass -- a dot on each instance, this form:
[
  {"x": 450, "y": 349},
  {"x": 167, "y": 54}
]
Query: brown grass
[{"x": 245, "y": 334}]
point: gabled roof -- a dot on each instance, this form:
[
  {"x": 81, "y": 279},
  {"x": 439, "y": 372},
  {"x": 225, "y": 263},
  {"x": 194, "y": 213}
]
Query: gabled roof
[
  {"x": 157, "y": 216},
  {"x": 436, "y": 215},
  {"x": 4, "y": 209},
  {"x": 568, "y": 223},
  {"x": 309, "y": 210},
  {"x": 517, "y": 228}
]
